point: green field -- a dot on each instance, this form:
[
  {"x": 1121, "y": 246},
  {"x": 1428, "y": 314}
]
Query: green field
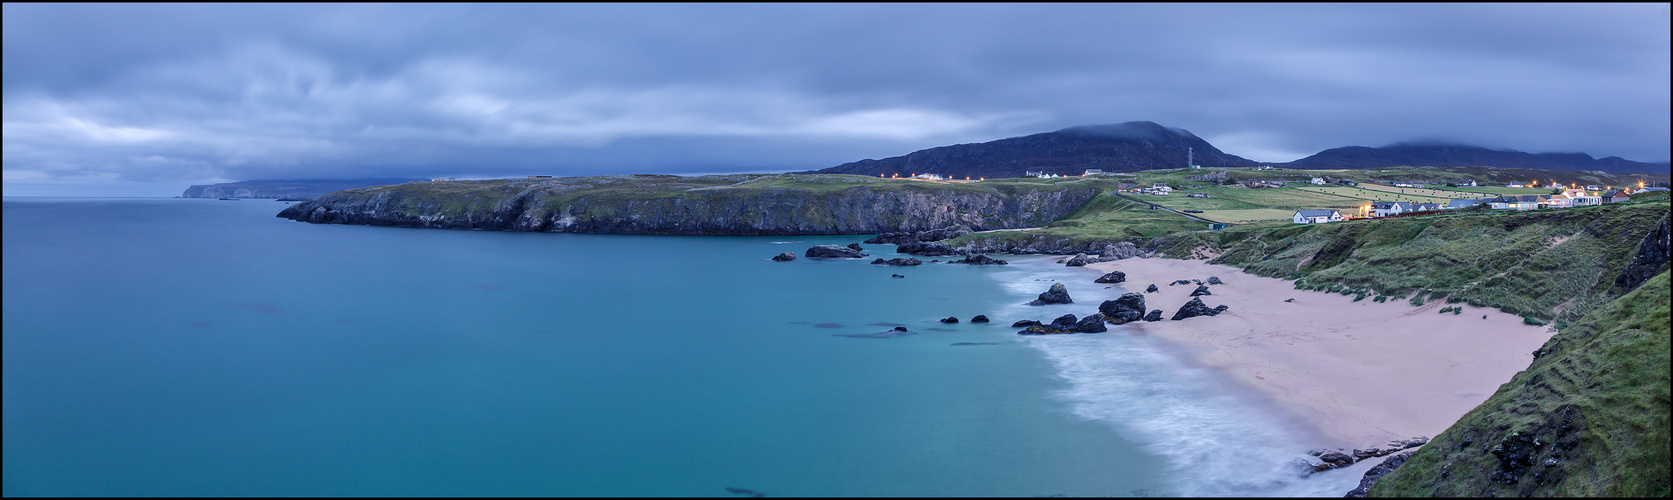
[{"x": 1248, "y": 216}]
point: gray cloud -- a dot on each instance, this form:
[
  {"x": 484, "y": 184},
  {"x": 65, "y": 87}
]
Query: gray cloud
[{"x": 100, "y": 95}]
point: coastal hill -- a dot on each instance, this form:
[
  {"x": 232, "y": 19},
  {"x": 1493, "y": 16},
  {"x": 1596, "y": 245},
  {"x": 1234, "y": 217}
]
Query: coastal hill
[
  {"x": 1122, "y": 147},
  {"x": 292, "y": 188},
  {"x": 1431, "y": 154},
  {"x": 715, "y": 204}
]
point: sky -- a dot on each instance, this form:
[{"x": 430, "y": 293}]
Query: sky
[{"x": 144, "y": 100}]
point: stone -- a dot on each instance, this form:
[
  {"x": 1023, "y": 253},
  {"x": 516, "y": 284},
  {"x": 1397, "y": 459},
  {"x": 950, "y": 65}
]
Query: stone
[
  {"x": 1056, "y": 295},
  {"x": 1127, "y": 309},
  {"x": 1196, "y": 308},
  {"x": 980, "y": 260},
  {"x": 1152, "y": 289},
  {"x": 909, "y": 261},
  {"x": 1068, "y": 323},
  {"x": 1093, "y": 323},
  {"x": 1201, "y": 290},
  {"x": 1215, "y": 280},
  {"x": 855, "y": 247},
  {"x": 832, "y": 252},
  {"x": 1377, "y": 472},
  {"x": 980, "y": 318},
  {"x": 1077, "y": 261},
  {"x": 900, "y": 328},
  {"x": 1155, "y": 315},
  {"x": 1180, "y": 282},
  {"x": 896, "y": 276},
  {"x": 784, "y": 257},
  {"x": 949, "y": 319},
  {"x": 1112, "y": 277},
  {"x": 1024, "y": 322},
  {"x": 1289, "y": 300},
  {"x": 927, "y": 249}
]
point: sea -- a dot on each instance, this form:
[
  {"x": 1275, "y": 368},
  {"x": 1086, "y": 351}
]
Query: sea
[{"x": 200, "y": 347}]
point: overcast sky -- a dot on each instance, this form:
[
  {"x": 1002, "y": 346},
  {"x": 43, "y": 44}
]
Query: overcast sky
[{"x": 147, "y": 99}]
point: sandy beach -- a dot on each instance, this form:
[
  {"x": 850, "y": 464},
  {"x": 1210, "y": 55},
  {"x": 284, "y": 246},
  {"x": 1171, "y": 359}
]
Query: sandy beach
[{"x": 1362, "y": 373}]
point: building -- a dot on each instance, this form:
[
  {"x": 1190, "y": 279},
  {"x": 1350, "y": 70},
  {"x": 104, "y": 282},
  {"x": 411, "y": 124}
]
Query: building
[
  {"x": 1092, "y": 171},
  {"x": 927, "y": 177},
  {"x": 1346, "y": 182},
  {"x": 1513, "y": 185},
  {"x": 1316, "y": 216},
  {"x": 1592, "y": 188},
  {"x": 1423, "y": 207},
  {"x": 1616, "y": 196},
  {"x": 1458, "y": 203},
  {"x": 1197, "y": 195},
  {"x": 1387, "y": 208},
  {"x": 1649, "y": 189},
  {"x": 1161, "y": 188},
  {"x": 1580, "y": 198},
  {"x": 1318, "y": 181},
  {"x": 1517, "y": 202}
]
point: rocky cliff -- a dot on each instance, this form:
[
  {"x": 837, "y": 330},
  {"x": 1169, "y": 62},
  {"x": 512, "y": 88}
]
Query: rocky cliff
[
  {"x": 732, "y": 204},
  {"x": 291, "y": 188}
]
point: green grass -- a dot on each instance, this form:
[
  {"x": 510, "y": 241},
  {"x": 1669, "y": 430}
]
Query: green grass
[{"x": 1595, "y": 402}]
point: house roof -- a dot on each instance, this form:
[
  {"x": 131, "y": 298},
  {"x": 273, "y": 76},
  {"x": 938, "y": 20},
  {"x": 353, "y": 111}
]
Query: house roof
[
  {"x": 1315, "y": 213},
  {"x": 1389, "y": 204}
]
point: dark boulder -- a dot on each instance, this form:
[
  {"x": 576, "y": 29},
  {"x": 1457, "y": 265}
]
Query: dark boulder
[
  {"x": 896, "y": 276},
  {"x": 833, "y": 252},
  {"x": 1155, "y": 315},
  {"x": 1201, "y": 290},
  {"x": 945, "y": 233},
  {"x": 980, "y": 318},
  {"x": 1077, "y": 261},
  {"x": 1377, "y": 472},
  {"x": 900, "y": 328},
  {"x": 909, "y": 261},
  {"x": 1196, "y": 308},
  {"x": 1024, "y": 322},
  {"x": 1056, "y": 295},
  {"x": 1068, "y": 323},
  {"x": 855, "y": 247},
  {"x": 979, "y": 260},
  {"x": 949, "y": 319},
  {"x": 1091, "y": 324},
  {"x": 1289, "y": 300},
  {"x": 1152, "y": 289},
  {"x": 1112, "y": 277},
  {"x": 784, "y": 257},
  {"x": 1180, "y": 282},
  {"x": 1064, "y": 321},
  {"x": 1219, "y": 309},
  {"x": 927, "y": 249},
  {"x": 1127, "y": 309},
  {"x": 1215, "y": 280},
  {"x": 891, "y": 239}
]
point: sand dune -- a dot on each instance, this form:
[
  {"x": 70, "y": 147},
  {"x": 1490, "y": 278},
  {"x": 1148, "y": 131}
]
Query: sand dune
[{"x": 1362, "y": 372}]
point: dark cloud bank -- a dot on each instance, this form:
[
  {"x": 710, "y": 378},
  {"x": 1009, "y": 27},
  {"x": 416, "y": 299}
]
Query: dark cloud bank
[{"x": 144, "y": 99}]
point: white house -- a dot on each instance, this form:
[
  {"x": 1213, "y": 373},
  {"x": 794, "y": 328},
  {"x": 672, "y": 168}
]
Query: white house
[
  {"x": 1580, "y": 198},
  {"x": 1092, "y": 171},
  {"x": 1387, "y": 208},
  {"x": 1161, "y": 188},
  {"x": 1316, "y": 216},
  {"x": 1513, "y": 185},
  {"x": 1517, "y": 202},
  {"x": 1318, "y": 181}
]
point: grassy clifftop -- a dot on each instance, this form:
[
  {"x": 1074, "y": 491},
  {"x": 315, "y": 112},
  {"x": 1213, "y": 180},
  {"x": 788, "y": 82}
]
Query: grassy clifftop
[{"x": 1588, "y": 418}]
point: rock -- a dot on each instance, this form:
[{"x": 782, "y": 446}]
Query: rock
[
  {"x": 896, "y": 276},
  {"x": 1201, "y": 290},
  {"x": 980, "y": 260},
  {"x": 1180, "y": 282},
  {"x": 949, "y": 319},
  {"x": 1377, "y": 472},
  {"x": 1064, "y": 321},
  {"x": 1024, "y": 322},
  {"x": 1653, "y": 252},
  {"x": 1215, "y": 280},
  {"x": 1152, "y": 289},
  {"x": 1196, "y": 308},
  {"x": 909, "y": 261},
  {"x": 1219, "y": 309},
  {"x": 1056, "y": 295},
  {"x": 980, "y": 318},
  {"x": 1289, "y": 300},
  {"x": 1112, "y": 277},
  {"x": 1155, "y": 315},
  {"x": 1093, "y": 323},
  {"x": 1077, "y": 261},
  {"x": 855, "y": 247},
  {"x": 927, "y": 249},
  {"x": 891, "y": 239},
  {"x": 832, "y": 252},
  {"x": 1127, "y": 309},
  {"x": 900, "y": 328},
  {"x": 786, "y": 256}
]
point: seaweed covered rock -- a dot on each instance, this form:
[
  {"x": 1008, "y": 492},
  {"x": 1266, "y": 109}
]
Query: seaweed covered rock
[{"x": 1057, "y": 294}]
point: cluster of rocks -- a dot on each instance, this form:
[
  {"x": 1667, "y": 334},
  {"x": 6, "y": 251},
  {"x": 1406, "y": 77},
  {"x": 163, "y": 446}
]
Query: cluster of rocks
[
  {"x": 852, "y": 251},
  {"x": 1081, "y": 259},
  {"x": 1065, "y": 324},
  {"x": 1196, "y": 308},
  {"x": 1127, "y": 309},
  {"x": 1212, "y": 280},
  {"x": 919, "y": 236},
  {"x": 1337, "y": 459},
  {"x": 909, "y": 261},
  {"x": 980, "y": 260},
  {"x": 1057, "y": 294}
]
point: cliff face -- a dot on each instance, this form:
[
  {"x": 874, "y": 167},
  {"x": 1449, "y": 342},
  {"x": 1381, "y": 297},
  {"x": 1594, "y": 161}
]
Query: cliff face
[
  {"x": 294, "y": 188},
  {"x": 741, "y": 205}
]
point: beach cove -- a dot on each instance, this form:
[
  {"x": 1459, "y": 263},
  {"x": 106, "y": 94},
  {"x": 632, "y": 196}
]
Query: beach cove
[{"x": 1360, "y": 373}]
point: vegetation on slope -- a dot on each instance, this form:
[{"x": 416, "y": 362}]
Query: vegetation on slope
[{"x": 1589, "y": 417}]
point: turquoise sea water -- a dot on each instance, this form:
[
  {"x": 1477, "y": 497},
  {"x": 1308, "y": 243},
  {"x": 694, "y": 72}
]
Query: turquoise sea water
[{"x": 202, "y": 347}]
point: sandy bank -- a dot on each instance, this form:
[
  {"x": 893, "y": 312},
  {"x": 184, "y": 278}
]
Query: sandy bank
[{"x": 1362, "y": 372}]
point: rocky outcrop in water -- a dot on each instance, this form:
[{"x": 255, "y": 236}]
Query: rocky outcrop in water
[
  {"x": 1057, "y": 294},
  {"x": 980, "y": 260},
  {"x": 1025, "y": 322},
  {"x": 909, "y": 261},
  {"x": 1127, "y": 309},
  {"x": 784, "y": 257},
  {"x": 832, "y": 252},
  {"x": 927, "y": 249},
  {"x": 1069, "y": 324},
  {"x": 980, "y": 318}
]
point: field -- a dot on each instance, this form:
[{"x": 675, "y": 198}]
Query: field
[{"x": 1248, "y": 216}]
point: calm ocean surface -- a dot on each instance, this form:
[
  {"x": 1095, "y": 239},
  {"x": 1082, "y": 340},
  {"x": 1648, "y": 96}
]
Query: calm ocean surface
[{"x": 203, "y": 347}]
